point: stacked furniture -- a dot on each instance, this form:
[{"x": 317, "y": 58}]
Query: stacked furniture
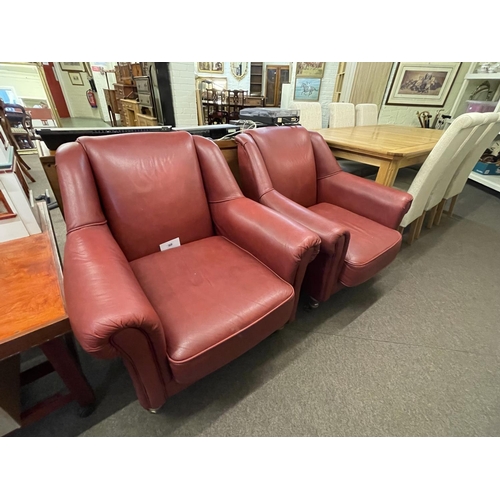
[
  {"x": 230, "y": 275},
  {"x": 146, "y": 115},
  {"x": 222, "y": 106}
]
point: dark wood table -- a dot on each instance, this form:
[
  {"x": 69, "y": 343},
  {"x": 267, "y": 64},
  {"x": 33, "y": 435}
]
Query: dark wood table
[{"x": 33, "y": 314}]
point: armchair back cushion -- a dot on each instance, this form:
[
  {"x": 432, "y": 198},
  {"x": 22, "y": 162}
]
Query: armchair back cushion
[
  {"x": 147, "y": 199},
  {"x": 289, "y": 159}
]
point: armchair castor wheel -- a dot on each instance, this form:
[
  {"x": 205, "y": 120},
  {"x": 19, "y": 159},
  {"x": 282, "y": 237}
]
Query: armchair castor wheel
[
  {"x": 312, "y": 303},
  {"x": 85, "y": 411}
]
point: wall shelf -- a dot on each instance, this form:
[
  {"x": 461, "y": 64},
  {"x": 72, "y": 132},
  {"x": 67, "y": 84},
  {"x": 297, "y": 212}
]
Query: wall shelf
[
  {"x": 482, "y": 76},
  {"x": 491, "y": 181}
]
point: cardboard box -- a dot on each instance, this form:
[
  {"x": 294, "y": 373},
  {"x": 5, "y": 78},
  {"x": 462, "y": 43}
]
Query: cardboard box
[{"x": 487, "y": 168}]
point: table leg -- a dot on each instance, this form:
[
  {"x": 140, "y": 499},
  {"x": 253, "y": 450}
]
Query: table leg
[
  {"x": 387, "y": 172},
  {"x": 67, "y": 367}
]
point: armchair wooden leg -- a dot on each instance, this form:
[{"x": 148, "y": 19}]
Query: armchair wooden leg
[
  {"x": 432, "y": 215},
  {"x": 439, "y": 213},
  {"x": 452, "y": 205}
]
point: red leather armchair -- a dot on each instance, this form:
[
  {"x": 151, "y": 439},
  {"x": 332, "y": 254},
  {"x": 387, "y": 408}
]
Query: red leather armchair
[
  {"x": 293, "y": 171},
  {"x": 174, "y": 316}
]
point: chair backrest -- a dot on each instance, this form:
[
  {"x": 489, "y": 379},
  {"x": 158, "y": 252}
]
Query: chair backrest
[
  {"x": 491, "y": 128},
  {"x": 436, "y": 163},
  {"x": 366, "y": 114},
  {"x": 478, "y": 125},
  {"x": 148, "y": 187},
  {"x": 310, "y": 114},
  {"x": 289, "y": 161},
  {"x": 342, "y": 114}
]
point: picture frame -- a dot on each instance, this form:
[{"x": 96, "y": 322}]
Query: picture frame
[
  {"x": 211, "y": 67},
  {"x": 307, "y": 89},
  {"x": 75, "y": 78},
  {"x": 310, "y": 70},
  {"x": 6, "y": 211},
  {"x": 422, "y": 84},
  {"x": 239, "y": 69},
  {"x": 72, "y": 66}
]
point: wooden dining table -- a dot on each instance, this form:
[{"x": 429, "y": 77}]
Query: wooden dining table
[{"x": 388, "y": 147}]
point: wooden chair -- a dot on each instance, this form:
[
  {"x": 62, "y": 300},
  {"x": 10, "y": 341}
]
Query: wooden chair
[
  {"x": 20, "y": 125},
  {"x": 366, "y": 114},
  {"x": 490, "y": 129},
  {"x": 444, "y": 158}
]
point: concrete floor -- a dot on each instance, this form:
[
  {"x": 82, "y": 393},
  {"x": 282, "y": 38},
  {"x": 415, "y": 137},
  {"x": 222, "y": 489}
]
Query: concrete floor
[
  {"x": 84, "y": 123},
  {"x": 413, "y": 352}
]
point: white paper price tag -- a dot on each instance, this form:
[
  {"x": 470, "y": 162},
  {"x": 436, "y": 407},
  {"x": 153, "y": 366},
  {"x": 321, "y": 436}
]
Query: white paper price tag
[{"x": 176, "y": 242}]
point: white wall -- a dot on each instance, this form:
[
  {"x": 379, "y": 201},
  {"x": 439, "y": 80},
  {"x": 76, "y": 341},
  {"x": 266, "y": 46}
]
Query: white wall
[
  {"x": 407, "y": 115},
  {"x": 25, "y": 80},
  {"x": 232, "y": 82},
  {"x": 183, "y": 93},
  {"x": 101, "y": 84},
  {"x": 75, "y": 95}
]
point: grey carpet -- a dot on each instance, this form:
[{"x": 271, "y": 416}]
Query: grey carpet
[{"x": 413, "y": 352}]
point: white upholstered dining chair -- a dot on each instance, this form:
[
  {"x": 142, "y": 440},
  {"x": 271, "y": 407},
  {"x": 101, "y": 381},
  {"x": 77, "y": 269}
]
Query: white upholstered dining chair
[
  {"x": 343, "y": 114},
  {"x": 490, "y": 129},
  {"x": 310, "y": 114},
  {"x": 445, "y": 157},
  {"x": 366, "y": 114}
]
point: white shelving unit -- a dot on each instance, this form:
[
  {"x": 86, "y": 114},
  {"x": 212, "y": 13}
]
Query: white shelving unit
[{"x": 471, "y": 82}]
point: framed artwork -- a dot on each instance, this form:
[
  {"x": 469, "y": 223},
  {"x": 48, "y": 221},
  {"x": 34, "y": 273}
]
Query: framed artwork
[
  {"x": 76, "y": 78},
  {"x": 307, "y": 89},
  {"x": 422, "y": 84},
  {"x": 5, "y": 211},
  {"x": 211, "y": 67},
  {"x": 310, "y": 69},
  {"x": 72, "y": 66},
  {"x": 239, "y": 69}
]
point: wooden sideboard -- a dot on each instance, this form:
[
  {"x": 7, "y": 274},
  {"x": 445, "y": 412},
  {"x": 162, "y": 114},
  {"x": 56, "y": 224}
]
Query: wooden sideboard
[{"x": 48, "y": 161}]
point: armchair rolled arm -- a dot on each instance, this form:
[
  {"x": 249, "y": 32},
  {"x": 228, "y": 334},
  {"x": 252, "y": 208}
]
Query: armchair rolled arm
[
  {"x": 103, "y": 296},
  {"x": 334, "y": 237},
  {"x": 382, "y": 204},
  {"x": 281, "y": 244}
]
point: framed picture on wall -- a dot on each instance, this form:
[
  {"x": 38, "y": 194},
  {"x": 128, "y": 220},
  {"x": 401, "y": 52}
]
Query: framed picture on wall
[
  {"x": 310, "y": 69},
  {"x": 307, "y": 89},
  {"x": 72, "y": 66},
  {"x": 76, "y": 78},
  {"x": 422, "y": 84},
  {"x": 211, "y": 67}
]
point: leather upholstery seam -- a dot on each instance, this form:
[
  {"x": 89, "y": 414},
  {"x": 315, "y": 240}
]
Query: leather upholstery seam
[
  {"x": 226, "y": 199},
  {"x": 91, "y": 224},
  {"x": 186, "y": 360},
  {"x": 329, "y": 175}
]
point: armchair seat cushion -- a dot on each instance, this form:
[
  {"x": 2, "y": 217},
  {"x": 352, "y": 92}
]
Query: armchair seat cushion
[
  {"x": 215, "y": 301},
  {"x": 372, "y": 246}
]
